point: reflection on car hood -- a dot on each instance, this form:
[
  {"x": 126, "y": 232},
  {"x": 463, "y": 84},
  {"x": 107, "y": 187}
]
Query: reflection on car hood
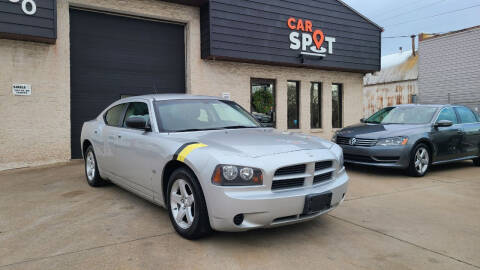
[
  {"x": 257, "y": 142},
  {"x": 377, "y": 131}
]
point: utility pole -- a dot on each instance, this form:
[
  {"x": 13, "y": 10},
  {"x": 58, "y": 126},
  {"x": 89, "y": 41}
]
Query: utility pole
[{"x": 413, "y": 45}]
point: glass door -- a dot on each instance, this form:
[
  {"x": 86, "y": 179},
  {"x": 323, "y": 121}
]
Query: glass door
[{"x": 262, "y": 103}]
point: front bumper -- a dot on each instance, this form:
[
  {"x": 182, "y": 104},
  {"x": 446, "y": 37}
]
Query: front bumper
[
  {"x": 379, "y": 156},
  {"x": 267, "y": 208}
]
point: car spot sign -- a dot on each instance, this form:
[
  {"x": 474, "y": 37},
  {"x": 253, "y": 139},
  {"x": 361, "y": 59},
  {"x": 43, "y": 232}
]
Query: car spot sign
[
  {"x": 22, "y": 89},
  {"x": 309, "y": 40}
]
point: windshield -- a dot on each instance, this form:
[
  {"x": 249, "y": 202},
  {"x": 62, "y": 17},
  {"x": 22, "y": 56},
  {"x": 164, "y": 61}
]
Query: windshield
[
  {"x": 197, "y": 115},
  {"x": 403, "y": 115}
]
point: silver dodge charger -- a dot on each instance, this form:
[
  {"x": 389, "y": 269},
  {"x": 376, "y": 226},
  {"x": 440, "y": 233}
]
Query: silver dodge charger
[{"x": 211, "y": 164}]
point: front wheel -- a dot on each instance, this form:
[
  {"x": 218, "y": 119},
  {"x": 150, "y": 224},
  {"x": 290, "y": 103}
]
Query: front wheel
[
  {"x": 91, "y": 169},
  {"x": 419, "y": 161},
  {"x": 186, "y": 205}
]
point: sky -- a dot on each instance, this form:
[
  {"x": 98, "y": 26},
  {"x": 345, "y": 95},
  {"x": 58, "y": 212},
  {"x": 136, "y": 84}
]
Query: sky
[{"x": 411, "y": 17}]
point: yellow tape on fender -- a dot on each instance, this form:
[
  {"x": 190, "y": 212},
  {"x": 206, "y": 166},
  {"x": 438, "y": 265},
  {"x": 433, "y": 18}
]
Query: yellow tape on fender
[{"x": 188, "y": 149}]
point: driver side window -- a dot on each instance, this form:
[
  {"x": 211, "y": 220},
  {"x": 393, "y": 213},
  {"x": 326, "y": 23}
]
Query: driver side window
[
  {"x": 448, "y": 114},
  {"x": 137, "y": 109}
]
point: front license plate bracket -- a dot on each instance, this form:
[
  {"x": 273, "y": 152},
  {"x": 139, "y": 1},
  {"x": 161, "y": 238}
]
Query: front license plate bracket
[{"x": 315, "y": 203}]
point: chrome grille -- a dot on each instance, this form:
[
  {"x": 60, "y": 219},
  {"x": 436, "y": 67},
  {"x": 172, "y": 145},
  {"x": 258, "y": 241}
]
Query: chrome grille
[
  {"x": 356, "y": 141},
  {"x": 291, "y": 170}
]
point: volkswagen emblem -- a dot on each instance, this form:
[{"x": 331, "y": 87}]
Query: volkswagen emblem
[{"x": 353, "y": 141}]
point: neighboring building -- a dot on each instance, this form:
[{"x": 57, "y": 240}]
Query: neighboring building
[
  {"x": 395, "y": 84},
  {"x": 449, "y": 68},
  {"x": 298, "y": 65}
]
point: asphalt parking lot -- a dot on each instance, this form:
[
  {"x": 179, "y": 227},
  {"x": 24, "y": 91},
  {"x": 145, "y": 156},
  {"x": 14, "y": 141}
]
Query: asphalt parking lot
[{"x": 51, "y": 219}]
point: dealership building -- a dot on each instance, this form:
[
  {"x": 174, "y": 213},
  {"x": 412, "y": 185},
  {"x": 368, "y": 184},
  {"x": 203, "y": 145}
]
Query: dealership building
[{"x": 296, "y": 65}]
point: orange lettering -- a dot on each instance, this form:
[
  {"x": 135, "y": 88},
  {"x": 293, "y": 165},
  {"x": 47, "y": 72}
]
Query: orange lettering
[
  {"x": 300, "y": 25},
  {"x": 308, "y": 26},
  {"x": 291, "y": 23},
  {"x": 318, "y": 38}
]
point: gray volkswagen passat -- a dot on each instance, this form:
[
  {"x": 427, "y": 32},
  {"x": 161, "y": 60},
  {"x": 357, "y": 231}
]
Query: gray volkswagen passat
[
  {"x": 413, "y": 137},
  {"x": 211, "y": 164}
]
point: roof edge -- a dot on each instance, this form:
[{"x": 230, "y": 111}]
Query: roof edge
[
  {"x": 361, "y": 15},
  {"x": 426, "y": 36}
]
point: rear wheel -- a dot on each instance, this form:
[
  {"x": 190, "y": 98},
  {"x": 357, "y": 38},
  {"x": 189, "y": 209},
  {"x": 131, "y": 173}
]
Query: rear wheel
[
  {"x": 186, "y": 205},
  {"x": 419, "y": 161},
  {"x": 91, "y": 169}
]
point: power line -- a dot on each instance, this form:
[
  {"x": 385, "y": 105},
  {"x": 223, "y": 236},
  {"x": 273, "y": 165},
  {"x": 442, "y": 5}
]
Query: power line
[
  {"x": 436, "y": 15},
  {"x": 414, "y": 10},
  {"x": 383, "y": 13},
  {"x": 398, "y": 37}
]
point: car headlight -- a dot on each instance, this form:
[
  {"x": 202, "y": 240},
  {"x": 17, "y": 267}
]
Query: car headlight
[
  {"x": 231, "y": 175},
  {"x": 338, "y": 152},
  {"x": 334, "y": 138},
  {"x": 393, "y": 141}
]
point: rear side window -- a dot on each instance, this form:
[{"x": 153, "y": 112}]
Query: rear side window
[
  {"x": 137, "y": 109},
  {"x": 448, "y": 114},
  {"x": 466, "y": 115},
  {"x": 114, "y": 116}
]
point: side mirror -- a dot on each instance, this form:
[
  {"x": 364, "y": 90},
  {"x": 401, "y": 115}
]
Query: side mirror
[
  {"x": 444, "y": 123},
  {"x": 138, "y": 122},
  {"x": 362, "y": 120}
]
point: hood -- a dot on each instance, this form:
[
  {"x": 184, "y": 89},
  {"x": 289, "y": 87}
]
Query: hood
[
  {"x": 258, "y": 142},
  {"x": 377, "y": 131}
]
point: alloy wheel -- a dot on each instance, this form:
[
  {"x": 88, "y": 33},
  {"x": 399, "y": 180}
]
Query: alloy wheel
[
  {"x": 422, "y": 160},
  {"x": 182, "y": 204},
  {"x": 90, "y": 166}
]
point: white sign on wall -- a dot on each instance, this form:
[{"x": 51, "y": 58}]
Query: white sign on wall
[
  {"x": 226, "y": 96},
  {"x": 21, "y": 89}
]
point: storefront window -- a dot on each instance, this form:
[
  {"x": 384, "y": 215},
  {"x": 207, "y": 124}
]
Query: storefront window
[
  {"x": 263, "y": 101},
  {"x": 316, "y": 105},
  {"x": 337, "y": 105},
  {"x": 293, "y": 113}
]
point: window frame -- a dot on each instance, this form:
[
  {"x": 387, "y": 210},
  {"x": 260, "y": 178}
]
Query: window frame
[
  {"x": 120, "y": 121},
  {"x": 340, "y": 98},
  {"x": 444, "y": 108},
  {"x": 320, "y": 104},
  {"x": 298, "y": 87},
  {"x": 274, "y": 90},
  {"x": 460, "y": 121},
  {"x": 125, "y": 114}
]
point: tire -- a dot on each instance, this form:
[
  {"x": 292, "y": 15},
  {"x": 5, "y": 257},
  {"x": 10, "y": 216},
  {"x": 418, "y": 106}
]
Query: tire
[
  {"x": 476, "y": 162},
  {"x": 420, "y": 161},
  {"x": 189, "y": 217},
  {"x": 91, "y": 169}
]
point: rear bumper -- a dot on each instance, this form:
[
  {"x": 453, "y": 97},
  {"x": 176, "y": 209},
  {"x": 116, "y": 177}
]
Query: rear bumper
[
  {"x": 264, "y": 208},
  {"x": 379, "y": 156}
]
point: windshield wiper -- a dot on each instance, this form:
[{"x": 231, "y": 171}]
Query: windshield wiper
[
  {"x": 196, "y": 129},
  {"x": 237, "y": 127}
]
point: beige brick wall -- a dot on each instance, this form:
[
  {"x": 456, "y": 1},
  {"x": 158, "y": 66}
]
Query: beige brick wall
[{"x": 35, "y": 130}]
